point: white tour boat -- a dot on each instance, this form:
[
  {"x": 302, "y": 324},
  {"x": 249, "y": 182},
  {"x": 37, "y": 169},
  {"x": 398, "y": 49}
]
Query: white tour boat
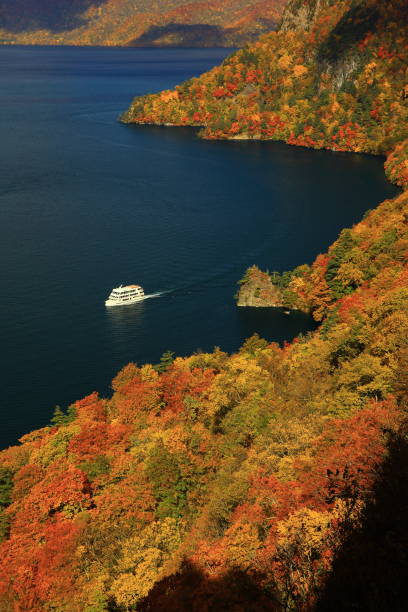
[{"x": 125, "y": 295}]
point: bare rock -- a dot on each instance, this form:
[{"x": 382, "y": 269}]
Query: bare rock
[{"x": 258, "y": 290}]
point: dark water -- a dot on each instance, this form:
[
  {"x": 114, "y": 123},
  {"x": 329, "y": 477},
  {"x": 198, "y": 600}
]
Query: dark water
[{"x": 87, "y": 204}]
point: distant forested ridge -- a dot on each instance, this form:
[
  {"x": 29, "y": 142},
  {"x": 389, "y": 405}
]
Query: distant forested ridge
[
  {"x": 188, "y": 23},
  {"x": 276, "y": 478}
]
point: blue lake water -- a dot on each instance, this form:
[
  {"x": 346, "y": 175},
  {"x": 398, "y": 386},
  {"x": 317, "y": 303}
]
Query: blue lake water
[{"x": 87, "y": 204}]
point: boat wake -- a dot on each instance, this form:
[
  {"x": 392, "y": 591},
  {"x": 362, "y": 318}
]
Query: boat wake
[{"x": 157, "y": 294}]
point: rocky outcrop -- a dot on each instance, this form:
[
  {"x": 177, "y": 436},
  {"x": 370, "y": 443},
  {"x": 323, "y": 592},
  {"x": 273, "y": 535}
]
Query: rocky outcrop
[
  {"x": 257, "y": 289},
  {"x": 299, "y": 15},
  {"x": 337, "y": 55}
]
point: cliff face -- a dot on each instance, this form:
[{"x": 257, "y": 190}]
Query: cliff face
[
  {"x": 193, "y": 23},
  {"x": 299, "y": 15}
]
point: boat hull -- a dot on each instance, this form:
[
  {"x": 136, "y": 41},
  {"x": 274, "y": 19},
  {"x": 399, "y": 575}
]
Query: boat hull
[{"x": 139, "y": 298}]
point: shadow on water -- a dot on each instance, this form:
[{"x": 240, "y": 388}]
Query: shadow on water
[
  {"x": 371, "y": 570},
  {"x": 286, "y": 324}
]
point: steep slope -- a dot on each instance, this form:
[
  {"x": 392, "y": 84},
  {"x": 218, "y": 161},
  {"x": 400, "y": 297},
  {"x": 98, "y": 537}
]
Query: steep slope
[
  {"x": 137, "y": 22},
  {"x": 218, "y": 482},
  {"x": 338, "y": 81},
  {"x": 274, "y": 479}
]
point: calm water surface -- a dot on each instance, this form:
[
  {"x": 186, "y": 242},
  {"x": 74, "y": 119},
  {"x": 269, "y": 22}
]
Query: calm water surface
[{"x": 87, "y": 204}]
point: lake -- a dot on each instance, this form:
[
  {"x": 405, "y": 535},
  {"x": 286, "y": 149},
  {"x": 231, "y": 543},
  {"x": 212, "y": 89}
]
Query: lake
[{"x": 87, "y": 204}]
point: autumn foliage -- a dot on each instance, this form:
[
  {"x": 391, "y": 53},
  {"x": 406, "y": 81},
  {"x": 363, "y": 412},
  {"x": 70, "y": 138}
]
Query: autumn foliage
[
  {"x": 246, "y": 481},
  {"x": 167, "y": 23},
  {"x": 211, "y": 474},
  {"x": 333, "y": 77}
]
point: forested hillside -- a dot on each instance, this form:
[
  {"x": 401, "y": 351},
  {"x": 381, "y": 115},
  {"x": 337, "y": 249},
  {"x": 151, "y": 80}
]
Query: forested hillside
[
  {"x": 190, "y": 23},
  {"x": 338, "y": 81},
  {"x": 276, "y": 478}
]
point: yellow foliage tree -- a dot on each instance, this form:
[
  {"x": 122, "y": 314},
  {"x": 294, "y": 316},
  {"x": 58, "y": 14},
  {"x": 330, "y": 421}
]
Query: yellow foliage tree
[
  {"x": 143, "y": 558},
  {"x": 299, "y": 70}
]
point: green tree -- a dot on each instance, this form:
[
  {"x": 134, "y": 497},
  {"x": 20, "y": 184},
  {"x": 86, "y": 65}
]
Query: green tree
[
  {"x": 338, "y": 255},
  {"x": 63, "y": 418},
  {"x": 6, "y": 487},
  {"x": 165, "y": 361},
  {"x": 169, "y": 486},
  {"x": 253, "y": 344},
  {"x": 99, "y": 466}
]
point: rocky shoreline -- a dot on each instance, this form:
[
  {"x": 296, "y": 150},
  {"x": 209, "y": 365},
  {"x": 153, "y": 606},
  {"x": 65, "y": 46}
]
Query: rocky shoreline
[{"x": 257, "y": 290}]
